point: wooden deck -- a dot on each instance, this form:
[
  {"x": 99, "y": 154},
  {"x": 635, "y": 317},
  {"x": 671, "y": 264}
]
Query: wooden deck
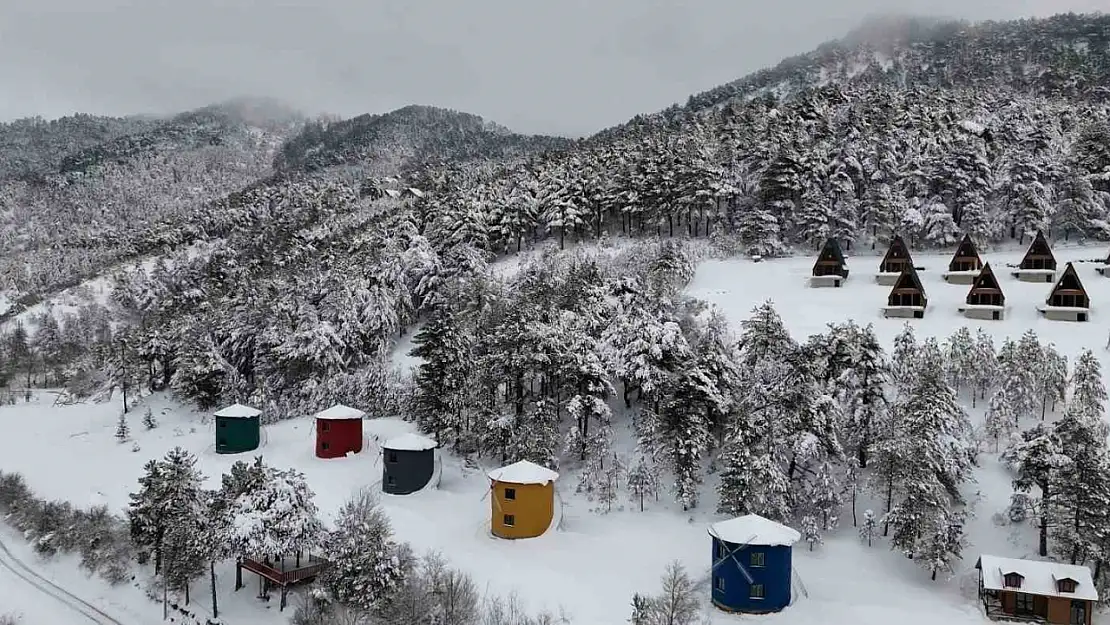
[{"x": 312, "y": 567}]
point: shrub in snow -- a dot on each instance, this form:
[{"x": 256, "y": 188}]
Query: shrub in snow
[
  {"x": 100, "y": 538},
  {"x": 10, "y": 619},
  {"x": 679, "y": 603},
  {"x": 868, "y": 529},
  {"x": 123, "y": 431},
  {"x": 148, "y": 419},
  {"x": 135, "y": 447}
]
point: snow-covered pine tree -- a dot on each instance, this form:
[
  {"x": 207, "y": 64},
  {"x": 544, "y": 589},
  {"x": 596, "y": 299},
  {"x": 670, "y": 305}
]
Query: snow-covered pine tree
[
  {"x": 123, "y": 431},
  {"x": 932, "y": 445},
  {"x": 1037, "y": 459},
  {"x": 811, "y": 531},
  {"x": 149, "y": 422},
  {"x": 904, "y": 358},
  {"x": 869, "y": 528},
  {"x": 863, "y": 395},
  {"x": 1053, "y": 379},
  {"x": 959, "y": 353},
  {"x": 945, "y": 542},
  {"x": 608, "y": 490},
  {"x": 1001, "y": 419},
  {"x": 764, "y": 336},
  {"x": 751, "y": 482},
  {"x": 1084, "y": 483},
  {"x": 276, "y": 516},
  {"x": 643, "y": 481},
  {"x": 367, "y": 566},
  {"x": 147, "y": 516},
  {"x": 984, "y": 366},
  {"x": 441, "y": 378}
]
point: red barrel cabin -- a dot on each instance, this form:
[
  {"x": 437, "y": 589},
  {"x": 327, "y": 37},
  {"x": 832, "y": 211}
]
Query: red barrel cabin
[{"x": 338, "y": 431}]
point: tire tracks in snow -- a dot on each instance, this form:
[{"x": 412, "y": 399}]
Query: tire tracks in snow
[{"x": 16, "y": 567}]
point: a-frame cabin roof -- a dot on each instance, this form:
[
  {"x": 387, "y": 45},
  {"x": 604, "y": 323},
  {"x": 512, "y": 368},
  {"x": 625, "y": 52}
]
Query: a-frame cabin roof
[
  {"x": 831, "y": 253},
  {"x": 966, "y": 249},
  {"x": 1038, "y": 248},
  {"x": 987, "y": 282},
  {"x": 909, "y": 281},
  {"x": 1069, "y": 284},
  {"x": 897, "y": 251}
]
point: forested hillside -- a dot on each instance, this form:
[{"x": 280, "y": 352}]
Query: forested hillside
[{"x": 310, "y": 268}]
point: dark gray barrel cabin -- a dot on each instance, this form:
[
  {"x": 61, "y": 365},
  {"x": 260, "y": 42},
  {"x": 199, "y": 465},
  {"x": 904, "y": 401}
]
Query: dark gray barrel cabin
[{"x": 408, "y": 464}]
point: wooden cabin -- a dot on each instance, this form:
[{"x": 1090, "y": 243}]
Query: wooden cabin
[
  {"x": 1011, "y": 589},
  {"x": 1068, "y": 300},
  {"x": 985, "y": 299},
  {"x": 965, "y": 265},
  {"x": 1038, "y": 265},
  {"x": 907, "y": 298},
  {"x": 830, "y": 269},
  {"x": 897, "y": 259}
]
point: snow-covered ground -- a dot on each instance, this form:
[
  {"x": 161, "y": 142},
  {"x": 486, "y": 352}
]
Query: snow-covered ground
[{"x": 597, "y": 561}]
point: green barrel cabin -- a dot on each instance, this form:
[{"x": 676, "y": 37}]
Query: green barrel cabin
[{"x": 238, "y": 429}]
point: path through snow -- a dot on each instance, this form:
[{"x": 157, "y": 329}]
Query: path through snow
[{"x": 16, "y": 567}]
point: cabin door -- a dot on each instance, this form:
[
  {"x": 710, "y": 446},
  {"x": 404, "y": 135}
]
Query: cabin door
[{"x": 1078, "y": 612}]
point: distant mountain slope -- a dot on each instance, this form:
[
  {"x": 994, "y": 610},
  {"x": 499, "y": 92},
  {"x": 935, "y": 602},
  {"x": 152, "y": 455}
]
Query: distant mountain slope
[
  {"x": 32, "y": 148},
  {"x": 405, "y": 139},
  {"x": 1064, "y": 55}
]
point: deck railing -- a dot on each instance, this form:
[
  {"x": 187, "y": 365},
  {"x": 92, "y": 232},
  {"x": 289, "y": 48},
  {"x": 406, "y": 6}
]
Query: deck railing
[{"x": 312, "y": 567}]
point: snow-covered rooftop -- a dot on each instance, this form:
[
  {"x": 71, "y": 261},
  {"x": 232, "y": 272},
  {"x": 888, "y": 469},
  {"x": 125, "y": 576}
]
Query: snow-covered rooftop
[
  {"x": 238, "y": 411},
  {"x": 1039, "y": 578},
  {"x": 409, "y": 442},
  {"x": 523, "y": 472},
  {"x": 752, "y": 529},
  {"x": 339, "y": 411}
]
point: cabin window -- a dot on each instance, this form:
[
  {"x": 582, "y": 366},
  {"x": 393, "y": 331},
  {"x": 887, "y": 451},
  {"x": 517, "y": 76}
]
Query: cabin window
[
  {"x": 1065, "y": 585},
  {"x": 510, "y": 494},
  {"x": 509, "y": 520},
  {"x": 324, "y": 446},
  {"x": 325, "y": 426},
  {"x": 719, "y": 550},
  {"x": 223, "y": 424},
  {"x": 758, "y": 558},
  {"x": 757, "y": 591},
  {"x": 392, "y": 481},
  {"x": 392, "y": 457},
  {"x": 719, "y": 583},
  {"x": 1023, "y": 604},
  {"x": 1012, "y": 580}
]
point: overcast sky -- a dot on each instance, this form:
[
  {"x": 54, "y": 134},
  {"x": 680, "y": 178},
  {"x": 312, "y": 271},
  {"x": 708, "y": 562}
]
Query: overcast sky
[{"x": 549, "y": 66}]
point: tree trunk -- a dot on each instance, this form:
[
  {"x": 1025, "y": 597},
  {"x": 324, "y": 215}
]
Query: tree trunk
[{"x": 212, "y": 576}]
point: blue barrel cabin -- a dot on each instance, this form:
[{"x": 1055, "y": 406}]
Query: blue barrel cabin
[{"x": 752, "y": 564}]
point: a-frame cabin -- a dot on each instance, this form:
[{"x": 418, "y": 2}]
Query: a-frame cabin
[
  {"x": 965, "y": 265},
  {"x": 985, "y": 300},
  {"x": 1068, "y": 300},
  {"x": 907, "y": 298},
  {"x": 830, "y": 269},
  {"x": 1038, "y": 265},
  {"x": 896, "y": 260}
]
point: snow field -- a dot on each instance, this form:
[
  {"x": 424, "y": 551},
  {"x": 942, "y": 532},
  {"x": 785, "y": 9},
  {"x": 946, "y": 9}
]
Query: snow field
[{"x": 597, "y": 561}]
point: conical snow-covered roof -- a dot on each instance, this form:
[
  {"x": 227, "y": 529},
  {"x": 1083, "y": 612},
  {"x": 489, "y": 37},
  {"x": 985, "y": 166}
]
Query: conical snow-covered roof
[
  {"x": 523, "y": 472},
  {"x": 238, "y": 411},
  {"x": 752, "y": 529},
  {"x": 339, "y": 411},
  {"x": 410, "y": 442}
]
